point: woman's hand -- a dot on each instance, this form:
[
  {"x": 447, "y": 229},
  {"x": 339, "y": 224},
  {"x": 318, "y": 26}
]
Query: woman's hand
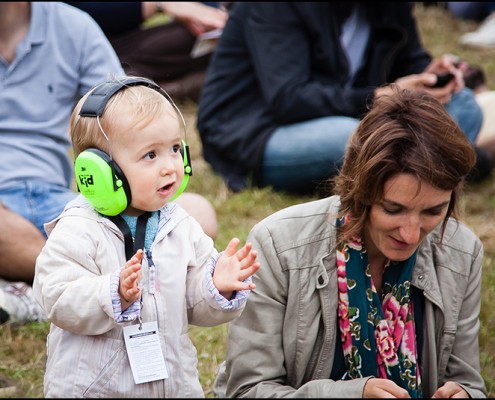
[
  {"x": 448, "y": 63},
  {"x": 384, "y": 388},
  {"x": 450, "y": 390}
]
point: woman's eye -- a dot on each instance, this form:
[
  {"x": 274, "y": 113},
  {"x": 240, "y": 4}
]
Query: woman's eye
[
  {"x": 150, "y": 156},
  {"x": 391, "y": 210},
  {"x": 434, "y": 211}
]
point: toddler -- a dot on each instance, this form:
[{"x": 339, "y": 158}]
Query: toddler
[{"x": 125, "y": 270}]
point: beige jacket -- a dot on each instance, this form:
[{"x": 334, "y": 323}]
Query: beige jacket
[
  {"x": 283, "y": 343},
  {"x": 86, "y": 355}
]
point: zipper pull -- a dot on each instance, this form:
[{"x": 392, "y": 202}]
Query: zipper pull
[{"x": 151, "y": 273}]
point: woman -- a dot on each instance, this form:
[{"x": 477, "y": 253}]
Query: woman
[{"x": 373, "y": 292}]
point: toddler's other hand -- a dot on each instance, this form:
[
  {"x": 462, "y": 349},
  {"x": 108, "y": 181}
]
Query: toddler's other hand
[{"x": 233, "y": 267}]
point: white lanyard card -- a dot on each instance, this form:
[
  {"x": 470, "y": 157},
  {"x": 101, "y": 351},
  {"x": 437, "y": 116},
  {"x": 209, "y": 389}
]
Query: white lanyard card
[{"x": 145, "y": 353}]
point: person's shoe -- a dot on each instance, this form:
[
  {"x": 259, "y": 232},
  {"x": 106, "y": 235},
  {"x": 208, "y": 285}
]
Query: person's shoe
[
  {"x": 18, "y": 305},
  {"x": 484, "y": 36}
]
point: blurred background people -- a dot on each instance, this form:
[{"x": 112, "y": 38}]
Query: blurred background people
[
  {"x": 289, "y": 81},
  {"x": 161, "y": 52}
]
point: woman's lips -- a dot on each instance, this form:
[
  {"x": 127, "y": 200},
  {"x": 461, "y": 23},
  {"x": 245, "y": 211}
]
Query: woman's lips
[{"x": 399, "y": 243}]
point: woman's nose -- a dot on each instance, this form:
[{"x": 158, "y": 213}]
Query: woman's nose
[{"x": 410, "y": 232}]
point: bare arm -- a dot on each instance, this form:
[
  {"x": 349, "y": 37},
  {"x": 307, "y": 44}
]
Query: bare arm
[
  {"x": 197, "y": 17},
  {"x": 20, "y": 244}
]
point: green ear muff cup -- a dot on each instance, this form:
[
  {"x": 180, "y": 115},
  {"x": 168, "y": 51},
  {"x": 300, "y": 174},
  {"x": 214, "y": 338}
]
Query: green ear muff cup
[{"x": 101, "y": 181}]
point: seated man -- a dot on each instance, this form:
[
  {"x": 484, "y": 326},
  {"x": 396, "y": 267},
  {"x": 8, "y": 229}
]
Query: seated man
[{"x": 51, "y": 54}]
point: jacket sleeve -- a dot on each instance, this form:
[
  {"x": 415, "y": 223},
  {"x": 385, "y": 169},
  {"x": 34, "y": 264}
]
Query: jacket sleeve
[
  {"x": 412, "y": 57},
  {"x": 203, "y": 307},
  {"x": 255, "y": 363},
  {"x": 280, "y": 39},
  {"x": 68, "y": 283},
  {"x": 464, "y": 365}
]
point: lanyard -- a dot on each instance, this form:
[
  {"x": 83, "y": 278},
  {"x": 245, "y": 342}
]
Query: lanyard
[{"x": 132, "y": 245}]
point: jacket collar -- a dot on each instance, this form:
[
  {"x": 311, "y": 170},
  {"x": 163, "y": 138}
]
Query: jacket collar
[{"x": 424, "y": 274}]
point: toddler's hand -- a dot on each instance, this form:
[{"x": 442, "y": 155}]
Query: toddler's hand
[
  {"x": 233, "y": 267},
  {"x": 130, "y": 277}
]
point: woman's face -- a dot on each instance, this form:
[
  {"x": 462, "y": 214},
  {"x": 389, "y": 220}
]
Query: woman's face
[{"x": 400, "y": 221}]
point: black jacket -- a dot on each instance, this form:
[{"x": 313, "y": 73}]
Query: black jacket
[
  {"x": 114, "y": 18},
  {"x": 278, "y": 63}
]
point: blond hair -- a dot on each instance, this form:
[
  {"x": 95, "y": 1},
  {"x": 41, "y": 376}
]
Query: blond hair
[{"x": 144, "y": 102}]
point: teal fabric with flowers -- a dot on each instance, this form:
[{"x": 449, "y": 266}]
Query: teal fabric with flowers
[{"x": 378, "y": 337}]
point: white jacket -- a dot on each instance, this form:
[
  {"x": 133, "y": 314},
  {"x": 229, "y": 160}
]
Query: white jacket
[{"x": 86, "y": 355}]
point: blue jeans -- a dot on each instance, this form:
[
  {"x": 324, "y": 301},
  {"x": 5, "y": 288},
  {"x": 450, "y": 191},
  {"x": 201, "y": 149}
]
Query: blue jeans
[
  {"x": 466, "y": 111},
  {"x": 476, "y": 10},
  {"x": 37, "y": 202},
  {"x": 298, "y": 157}
]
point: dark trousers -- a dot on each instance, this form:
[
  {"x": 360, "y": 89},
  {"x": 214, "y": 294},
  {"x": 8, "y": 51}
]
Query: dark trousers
[{"x": 162, "y": 53}]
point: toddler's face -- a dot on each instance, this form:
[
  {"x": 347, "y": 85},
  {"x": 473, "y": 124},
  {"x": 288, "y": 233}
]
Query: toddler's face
[{"x": 149, "y": 156}]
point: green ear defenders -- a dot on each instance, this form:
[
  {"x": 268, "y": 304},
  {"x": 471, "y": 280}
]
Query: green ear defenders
[
  {"x": 102, "y": 182},
  {"x": 99, "y": 179}
]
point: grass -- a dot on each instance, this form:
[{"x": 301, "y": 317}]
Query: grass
[{"x": 22, "y": 349}]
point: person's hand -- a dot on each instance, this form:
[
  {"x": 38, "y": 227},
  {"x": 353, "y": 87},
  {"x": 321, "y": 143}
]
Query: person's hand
[
  {"x": 448, "y": 63},
  {"x": 233, "y": 267},
  {"x": 130, "y": 276},
  {"x": 197, "y": 17},
  {"x": 384, "y": 388},
  {"x": 425, "y": 80},
  {"x": 450, "y": 390},
  {"x": 421, "y": 82}
]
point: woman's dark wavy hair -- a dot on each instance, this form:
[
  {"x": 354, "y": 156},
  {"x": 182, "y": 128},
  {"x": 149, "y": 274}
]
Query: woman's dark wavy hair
[{"x": 404, "y": 132}]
